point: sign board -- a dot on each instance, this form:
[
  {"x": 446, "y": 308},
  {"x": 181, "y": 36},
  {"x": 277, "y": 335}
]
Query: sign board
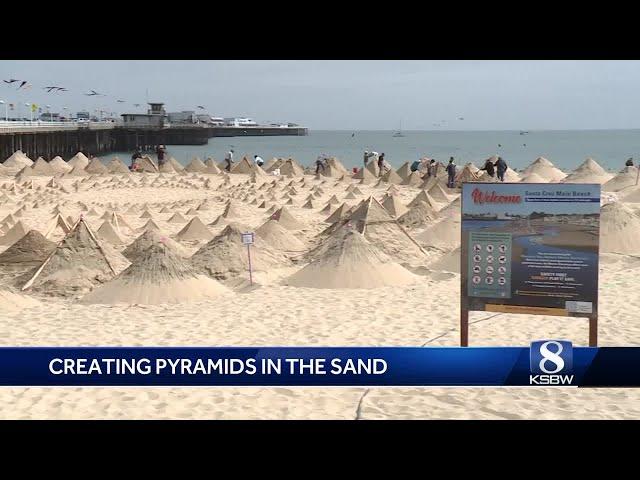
[
  {"x": 247, "y": 238},
  {"x": 530, "y": 248}
]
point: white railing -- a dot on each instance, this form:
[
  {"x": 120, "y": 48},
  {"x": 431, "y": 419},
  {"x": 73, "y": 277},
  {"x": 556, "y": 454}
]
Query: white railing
[{"x": 46, "y": 125}]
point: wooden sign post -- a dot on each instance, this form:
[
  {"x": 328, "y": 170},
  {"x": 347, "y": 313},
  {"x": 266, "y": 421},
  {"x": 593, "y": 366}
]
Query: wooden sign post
[
  {"x": 248, "y": 239},
  {"x": 530, "y": 249}
]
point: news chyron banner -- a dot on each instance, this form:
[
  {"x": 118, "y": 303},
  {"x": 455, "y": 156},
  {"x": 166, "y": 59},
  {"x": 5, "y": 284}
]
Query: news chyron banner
[
  {"x": 530, "y": 248},
  {"x": 546, "y": 362}
]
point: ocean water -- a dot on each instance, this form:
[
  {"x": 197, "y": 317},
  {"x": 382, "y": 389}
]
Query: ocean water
[{"x": 566, "y": 149}]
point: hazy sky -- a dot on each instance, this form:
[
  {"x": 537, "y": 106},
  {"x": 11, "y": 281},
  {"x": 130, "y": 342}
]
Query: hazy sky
[{"x": 352, "y": 95}]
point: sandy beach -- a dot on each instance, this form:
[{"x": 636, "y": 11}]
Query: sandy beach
[{"x": 412, "y": 300}]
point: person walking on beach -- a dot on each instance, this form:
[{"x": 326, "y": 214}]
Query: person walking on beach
[
  {"x": 369, "y": 155},
  {"x": 501, "y": 166},
  {"x": 229, "y": 159},
  {"x": 160, "y": 151},
  {"x": 489, "y": 168},
  {"x": 381, "y": 166},
  {"x": 259, "y": 161},
  {"x": 319, "y": 164},
  {"x": 629, "y": 163},
  {"x": 136, "y": 155},
  {"x": 451, "y": 172}
]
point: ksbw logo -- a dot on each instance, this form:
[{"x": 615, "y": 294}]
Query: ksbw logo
[{"x": 549, "y": 359}]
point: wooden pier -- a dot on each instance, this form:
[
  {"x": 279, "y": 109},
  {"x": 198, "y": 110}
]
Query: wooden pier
[{"x": 49, "y": 139}]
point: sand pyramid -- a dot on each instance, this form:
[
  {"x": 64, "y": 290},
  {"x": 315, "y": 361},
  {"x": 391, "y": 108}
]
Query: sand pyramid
[
  {"x": 414, "y": 179},
  {"x": 159, "y": 276},
  {"x": 196, "y": 165},
  {"x": 176, "y": 218},
  {"x": 438, "y": 194},
  {"x": 452, "y": 210},
  {"x": 195, "y": 230},
  {"x": 15, "y": 233},
  {"x": 365, "y": 176},
  {"x": 394, "y": 206},
  {"x": 404, "y": 171},
  {"x": 425, "y": 197},
  {"x": 380, "y": 228},
  {"x": 78, "y": 263},
  {"x": 147, "y": 165},
  {"x": 77, "y": 171},
  {"x": 41, "y": 167},
  {"x": 279, "y": 237},
  {"x": 108, "y": 233},
  {"x": 225, "y": 256},
  {"x": 243, "y": 166},
  {"x": 22, "y": 177},
  {"x": 150, "y": 225},
  {"x": 152, "y": 237},
  {"x": 392, "y": 177},
  {"x": 96, "y": 167},
  {"x": 338, "y": 214},
  {"x": 373, "y": 168},
  {"x": 177, "y": 166},
  {"x": 627, "y": 177},
  {"x": 18, "y": 161},
  {"x": 116, "y": 165},
  {"x": 351, "y": 262},
  {"x": 57, "y": 225},
  {"x": 419, "y": 215},
  {"x": 545, "y": 169},
  {"x": 291, "y": 168},
  {"x": 78, "y": 160},
  {"x": 59, "y": 165},
  {"x": 468, "y": 173},
  {"x": 231, "y": 210},
  {"x": 588, "y": 172},
  {"x": 309, "y": 204},
  {"x": 30, "y": 250},
  {"x": 619, "y": 229},
  {"x": 286, "y": 219},
  {"x": 444, "y": 235},
  {"x": 166, "y": 167}
]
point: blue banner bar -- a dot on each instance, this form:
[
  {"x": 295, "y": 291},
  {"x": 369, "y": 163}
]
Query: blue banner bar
[{"x": 306, "y": 366}]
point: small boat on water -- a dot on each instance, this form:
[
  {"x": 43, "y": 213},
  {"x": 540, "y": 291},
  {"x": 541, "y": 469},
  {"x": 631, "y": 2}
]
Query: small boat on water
[
  {"x": 399, "y": 132},
  {"x": 524, "y": 133}
]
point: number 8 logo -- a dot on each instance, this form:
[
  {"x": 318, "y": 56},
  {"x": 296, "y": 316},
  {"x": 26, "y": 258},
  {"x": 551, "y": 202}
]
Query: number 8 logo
[{"x": 553, "y": 357}]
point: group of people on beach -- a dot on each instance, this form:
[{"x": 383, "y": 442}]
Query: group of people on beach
[
  {"x": 427, "y": 165},
  {"x": 137, "y": 154},
  {"x": 228, "y": 160}
]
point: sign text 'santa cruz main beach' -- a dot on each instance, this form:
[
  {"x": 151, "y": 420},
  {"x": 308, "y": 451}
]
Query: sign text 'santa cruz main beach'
[{"x": 530, "y": 248}]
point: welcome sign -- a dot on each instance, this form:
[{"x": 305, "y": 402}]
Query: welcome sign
[{"x": 530, "y": 248}]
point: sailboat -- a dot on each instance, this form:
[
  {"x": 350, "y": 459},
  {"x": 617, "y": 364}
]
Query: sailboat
[{"x": 399, "y": 132}]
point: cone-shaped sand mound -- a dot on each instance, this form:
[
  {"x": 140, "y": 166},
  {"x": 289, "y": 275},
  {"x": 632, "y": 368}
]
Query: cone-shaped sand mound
[
  {"x": 351, "y": 262},
  {"x": 225, "y": 256},
  {"x": 619, "y": 229},
  {"x": 588, "y": 172},
  {"x": 77, "y": 264},
  {"x": 279, "y": 237},
  {"x": 158, "y": 277},
  {"x": 32, "y": 249},
  {"x": 149, "y": 238}
]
